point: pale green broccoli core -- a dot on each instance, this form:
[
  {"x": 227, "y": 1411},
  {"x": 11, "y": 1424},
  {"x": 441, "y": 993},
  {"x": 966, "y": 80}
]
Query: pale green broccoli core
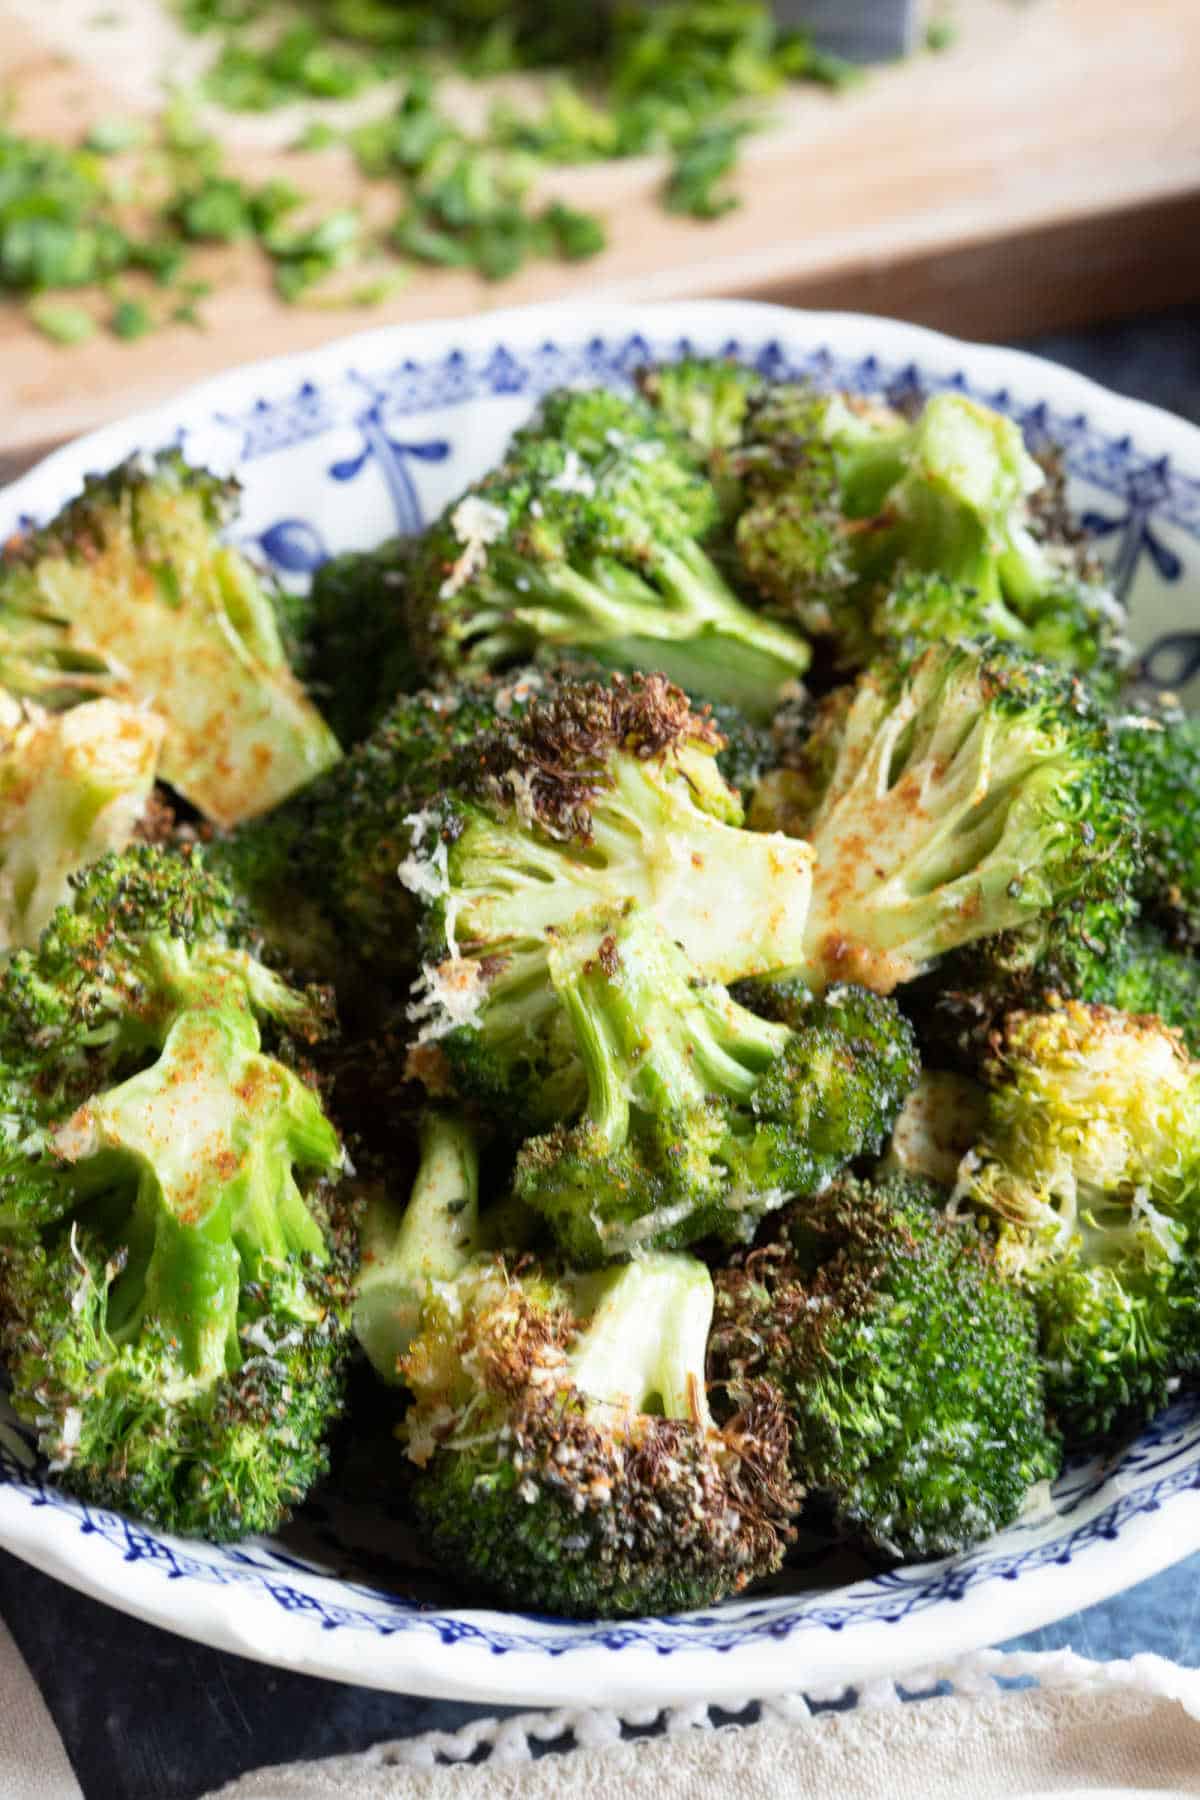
[
  {"x": 642, "y": 1348},
  {"x": 72, "y": 787},
  {"x": 429, "y": 1239}
]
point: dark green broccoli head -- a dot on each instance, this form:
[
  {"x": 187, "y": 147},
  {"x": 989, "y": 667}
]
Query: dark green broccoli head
[
  {"x": 705, "y": 397},
  {"x": 907, "y": 1361},
  {"x": 701, "y": 1116},
  {"x": 319, "y": 874},
  {"x": 588, "y": 539},
  {"x": 595, "y": 797},
  {"x": 1075, "y": 623},
  {"x": 1161, "y": 754},
  {"x": 131, "y": 592},
  {"x": 146, "y": 934},
  {"x": 358, "y": 654},
  {"x": 1148, "y": 975},
  {"x": 881, "y": 533},
  {"x": 568, "y": 1462},
  {"x": 970, "y": 793},
  {"x": 1088, "y": 1172}
]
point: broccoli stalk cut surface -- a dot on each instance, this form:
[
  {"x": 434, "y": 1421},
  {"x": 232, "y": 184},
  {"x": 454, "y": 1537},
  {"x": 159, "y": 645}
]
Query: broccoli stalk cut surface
[
  {"x": 597, "y": 796},
  {"x": 175, "y": 1275},
  {"x": 701, "y": 1116},
  {"x": 131, "y": 594},
  {"x": 969, "y": 794},
  {"x": 568, "y": 1460},
  {"x": 588, "y": 538},
  {"x": 1088, "y": 1171},
  {"x": 72, "y": 786},
  {"x": 906, "y": 1358}
]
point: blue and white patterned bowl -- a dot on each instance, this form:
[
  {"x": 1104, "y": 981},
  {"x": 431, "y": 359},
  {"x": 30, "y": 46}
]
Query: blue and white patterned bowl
[{"x": 337, "y": 449}]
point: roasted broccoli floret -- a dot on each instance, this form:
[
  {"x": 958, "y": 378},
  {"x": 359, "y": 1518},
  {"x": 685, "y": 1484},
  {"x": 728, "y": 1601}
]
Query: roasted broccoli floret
[
  {"x": 175, "y": 1272},
  {"x": 589, "y": 538},
  {"x": 358, "y": 653},
  {"x": 970, "y": 793},
  {"x": 1161, "y": 753},
  {"x": 880, "y": 532},
  {"x": 131, "y": 593},
  {"x": 1148, "y": 975},
  {"x": 907, "y": 1360},
  {"x": 595, "y": 797},
  {"x": 567, "y": 1458},
  {"x": 705, "y": 397},
  {"x": 1088, "y": 1170},
  {"x": 73, "y": 785},
  {"x": 701, "y": 1116}
]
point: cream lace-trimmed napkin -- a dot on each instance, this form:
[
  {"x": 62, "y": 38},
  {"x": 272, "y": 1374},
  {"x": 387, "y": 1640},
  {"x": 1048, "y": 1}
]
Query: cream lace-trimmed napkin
[{"x": 1090, "y": 1732}]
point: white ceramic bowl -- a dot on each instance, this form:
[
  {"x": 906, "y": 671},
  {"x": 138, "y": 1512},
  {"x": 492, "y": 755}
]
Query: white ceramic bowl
[{"x": 338, "y": 448}]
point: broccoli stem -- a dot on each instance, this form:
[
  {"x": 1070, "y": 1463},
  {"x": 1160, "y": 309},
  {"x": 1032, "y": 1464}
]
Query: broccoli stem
[
  {"x": 643, "y": 1347},
  {"x": 649, "y": 1038},
  {"x": 430, "y": 1238}
]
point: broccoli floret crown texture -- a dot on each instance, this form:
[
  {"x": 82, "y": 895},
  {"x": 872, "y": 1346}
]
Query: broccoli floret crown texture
[
  {"x": 568, "y": 1459},
  {"x": 907, "y": 1360},
  {"x": 1088, "y": 1171}
]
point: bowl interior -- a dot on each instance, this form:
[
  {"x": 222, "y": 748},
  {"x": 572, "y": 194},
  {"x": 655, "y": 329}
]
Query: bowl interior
[{"x": 371, "y": 439}]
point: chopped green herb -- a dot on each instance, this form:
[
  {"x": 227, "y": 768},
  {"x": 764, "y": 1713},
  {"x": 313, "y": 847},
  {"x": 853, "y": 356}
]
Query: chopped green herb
[
  {"x": 61, "y": 323},
  {"x": 701, "y": 165},
  {"x": 109, "y": 137},
  {"x": 131, "y": 319}
]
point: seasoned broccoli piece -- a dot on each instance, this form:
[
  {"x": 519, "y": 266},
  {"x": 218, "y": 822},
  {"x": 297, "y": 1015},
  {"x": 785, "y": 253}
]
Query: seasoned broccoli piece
[
  {"x": 358, "y": 653},
  {"x": 145, "y": 936},
  {"x": 130, "y": 593},
  {"x": 319, "y": 873},
  {"x": 430, "y": 1238},
  {"x": 937, "y": 1125},
  {"x": 596, "y": 796},
  {"x": 1076, "y": 623},
  {"x": 1089, "y": 1170},
  {"x": 567, "y": 1458},
  {"x": 1161, "y": 753},
  {"x": 705, "y": 397},
  {"x": 701, "y": 1116},
  {"x": 967, "y": 794},
  {"x": 72, "y": 786},
  {"x": 907, "y": 1359},
  {"x": 175, "y": 1275},
  {"x": 588, "y": 538},
  {"x": 1148, "y": 975},
  {"x": 879, "y": 532},
  {"x": 814, "y": 470}
]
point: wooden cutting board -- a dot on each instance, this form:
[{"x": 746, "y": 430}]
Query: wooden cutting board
[{"x": 1044, "y": 170}]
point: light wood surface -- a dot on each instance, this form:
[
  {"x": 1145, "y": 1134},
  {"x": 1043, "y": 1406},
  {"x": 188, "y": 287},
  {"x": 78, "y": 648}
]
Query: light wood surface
[{"x": 1044, "y": 170}]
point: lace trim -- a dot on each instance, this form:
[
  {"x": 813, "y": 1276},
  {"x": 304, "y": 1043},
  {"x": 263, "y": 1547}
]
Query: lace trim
[{"x": 985, "y": 1675}]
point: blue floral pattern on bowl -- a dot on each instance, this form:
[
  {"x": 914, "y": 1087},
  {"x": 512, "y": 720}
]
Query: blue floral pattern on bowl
[{"x": 370, "y": 438}]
